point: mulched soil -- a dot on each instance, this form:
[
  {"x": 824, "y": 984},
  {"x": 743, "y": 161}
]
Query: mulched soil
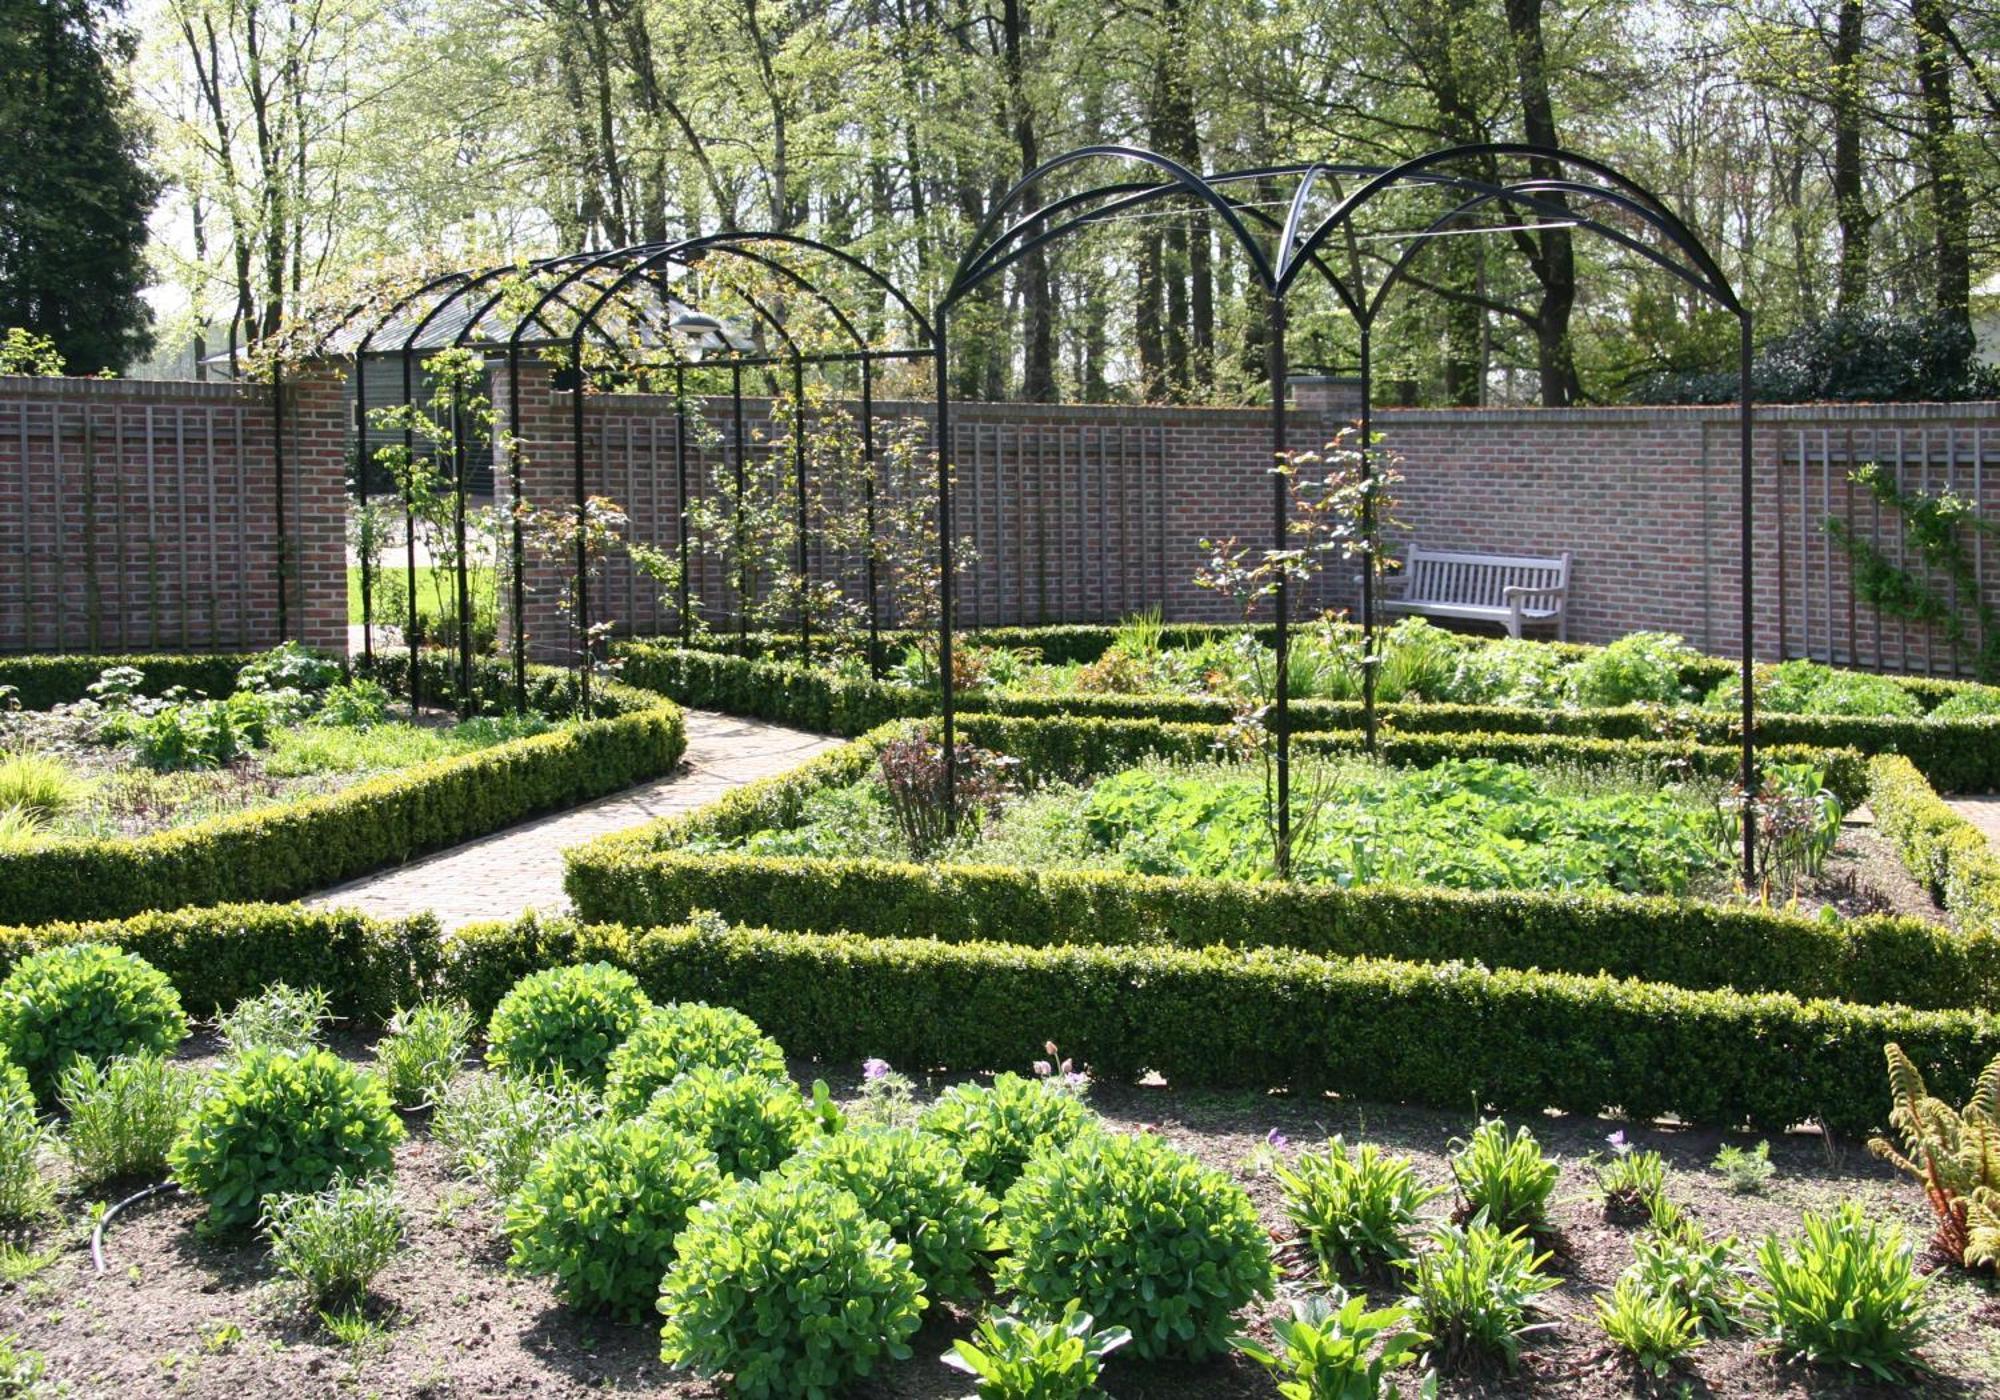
[
  {"x": 179, "y": 1314},
  {"x": 1864, "y": 875}
]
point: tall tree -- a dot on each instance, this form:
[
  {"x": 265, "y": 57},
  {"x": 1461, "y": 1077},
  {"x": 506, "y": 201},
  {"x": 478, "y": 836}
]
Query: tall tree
[{"x": 74, "y": 197}]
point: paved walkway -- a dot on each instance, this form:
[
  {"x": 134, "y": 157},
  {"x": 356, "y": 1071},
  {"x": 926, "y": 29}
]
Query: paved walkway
[
  {"x": 499, "y": 876},
  {"x": 1982, "y": 812}
]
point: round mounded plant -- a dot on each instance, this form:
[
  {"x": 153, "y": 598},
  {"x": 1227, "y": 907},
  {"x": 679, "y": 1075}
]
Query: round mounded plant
[
  {"x": 277, "y": 1124},
  {"x": 997, "y": 1130},
  {"x": 567, "y": 1018},
  {"x": 751, "y": 1122},
  {"x": 681, "y": 1036},
  {"x": 600, "y": 1209},
  {"x": 1142, "y": 1236},
  {"x": 790, "y": 1287},
  {"x": 88, "y": 1001},
  {"x": 916, "y": 1185}
]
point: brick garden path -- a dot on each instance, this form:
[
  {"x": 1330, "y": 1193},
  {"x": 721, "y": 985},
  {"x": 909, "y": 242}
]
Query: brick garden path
[
  {"x": 1982, "y": 812},
  {"x": 498, "y": 876}
]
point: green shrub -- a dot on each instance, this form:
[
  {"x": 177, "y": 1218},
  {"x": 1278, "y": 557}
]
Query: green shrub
[
  {"x": 88, "y": 1000},
  {"x": 1142, "y": 1236},
  {"x": 281, "y": 1018},
  {"x": 1844, "y": 1294},
  {"x": 997, "y": 1130},
  {"x": 915, "y": 1185},
  {"x": 26, "y": 1190},
  {"x": 790, "y": 1288},
  {"x": 124, "y": 1115},
  {"x": 1810, "y": 688},
  {"x": 333, "y": 1243},
  {"x": 38, "y": 784},
  {"x": 1979, "y": 702},
  {"x": 751, "y": 1122},
  {"x": 1355, "y": 1207},
  {"x": 493, "y": 1127},
  {"x": 567, "y": 1018},
  {"x": 1475, "y": 1290},
  {"x": 422, "y": 1051},
  {"x": 1745, "y": 1170},
  {"x": 1506, "y": 1179},
  {"x": 1658, "y": 1331},
  {"x": 599, "y": 1211},
  {"x": 1949, "y": 855},
  {"x": 272, "y": 1124},
  {"x": 1012, "y": 1358},
  {"x": 1328, "y": 1350},
  {"x": 681, "y": 1036},
  {"x": 1640, "y": 666}
]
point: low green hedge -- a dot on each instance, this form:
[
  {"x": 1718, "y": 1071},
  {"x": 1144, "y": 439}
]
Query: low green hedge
[
  {"x": 1445, "y": 1035},
  {"x": 284, "y": 851},
  {"x": 41, "y": 682},
  {"x": 1954, "y": 859},
  {"x": 218, "y": 956},
  {"x": 1960, "y": 755}
]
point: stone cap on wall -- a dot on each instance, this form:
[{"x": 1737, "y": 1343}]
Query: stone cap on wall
[{"x": 28, "y": 386}]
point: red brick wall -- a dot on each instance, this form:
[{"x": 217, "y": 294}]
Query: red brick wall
[{"x": 144, "y": 516}]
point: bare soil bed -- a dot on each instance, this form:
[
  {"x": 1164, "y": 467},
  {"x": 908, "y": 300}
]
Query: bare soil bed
[{"x": 180, "y": 1314}]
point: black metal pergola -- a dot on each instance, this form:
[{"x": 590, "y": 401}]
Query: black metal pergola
[
  {"x": 1559, "y": 189},
  {"x": 623, "y": 310}
]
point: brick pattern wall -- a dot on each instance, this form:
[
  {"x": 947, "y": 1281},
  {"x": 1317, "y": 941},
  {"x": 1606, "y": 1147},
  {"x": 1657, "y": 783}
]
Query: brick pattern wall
[{"x": 145, "y": 516}]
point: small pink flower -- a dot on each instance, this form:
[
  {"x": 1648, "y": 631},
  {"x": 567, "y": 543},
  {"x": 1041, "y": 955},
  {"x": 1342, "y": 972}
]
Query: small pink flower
[
  {"x": 1276, "y": 1140},
  {"x": 1042, "y": 1069},
  {"x": 874, "y": 1069},
  {"x": 1618, "y": 1143}
]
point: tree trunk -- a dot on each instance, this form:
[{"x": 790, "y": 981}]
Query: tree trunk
[
  {"x": 1951, "y": 211},
  {"x": 1849, "y": 202},
  {"x": 1554, "y": 255}
]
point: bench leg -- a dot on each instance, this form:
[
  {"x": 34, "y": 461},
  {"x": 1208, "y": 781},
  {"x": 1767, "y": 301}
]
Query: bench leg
[
  {"x": 1562, "y": 626},
  {"x": 1514, "y": 626}
]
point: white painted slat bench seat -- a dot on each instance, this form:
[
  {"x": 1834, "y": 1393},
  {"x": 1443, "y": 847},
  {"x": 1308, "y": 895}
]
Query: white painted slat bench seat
[{"x": 1510, "y": 589}]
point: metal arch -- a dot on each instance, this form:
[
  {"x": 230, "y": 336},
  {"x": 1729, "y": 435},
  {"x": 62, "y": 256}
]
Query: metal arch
[
  {"x": 1647, "y": 205},
  {"x": 878, "y": 278},
  {"x": 1509, "y": 195},
  {"x": 984, "y": 239}
]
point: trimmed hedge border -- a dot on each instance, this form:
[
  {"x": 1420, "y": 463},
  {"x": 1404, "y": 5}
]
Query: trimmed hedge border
[
  {"x": 1219, "y": 1018},
  {"x": 289, "y": 850},
  {"x": 46, "y": 681},
  {"x": 1435, "y": 1034},
  {"x": 1952, "y": 857},
  {"x": 1959, "y": 755}
]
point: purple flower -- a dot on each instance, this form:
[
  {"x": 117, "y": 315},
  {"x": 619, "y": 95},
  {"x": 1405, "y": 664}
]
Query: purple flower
[
  {"x": 874, "y": 1069},
  {"x": 1042, "y": 1069},
  {"x": 1618, "y": 1143},
  {"x": 1276, "y": 1140}
]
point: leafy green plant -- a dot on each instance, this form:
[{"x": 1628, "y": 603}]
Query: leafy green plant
[
  {"x": 26, "y": 1191},
  {"x": 124, "y": 1115},
  {"x": 272, "y": 1124},
  {"x": 751, "y": 1122},
  {"x": 1844, "y": 1294},
  {"x": 281, "y": 1018},
  {"x": 1696, "y": 1273},
  {"x": 422, "y": 1051},
  {"x": 568, "y": 1018},
  {"x": 1634, "y": 1184},
  {"x": 789, "y": 1287},
  {"x": 1338, "y": 1349},
  {"x": 361, "y": 704},
  {"x": 1505, "y": 1179},
  {"x": 1141, "y": 1235},
  {"x": 290, "y": 666},
  {"x": 1955, "y": 1155},
  {"x": 996, "y": 1130},
  {"x": 1978, "y": 703},
  {"x": 1013, "y": 1358},
  {"x": 600, "y": 1209},
  {"x": 21, "y": 1368},
  {"x": 1355, "y": 1207},
  {"x": 38, "y": 784},
  {"x": 494, "y": 1126},
  {"x": 1658, "y": 1331},
  {"x": 333, "y": 1243},
  {"x": 1746, "y": 1171},
  {"x": 1475, "y": 1289},
  {"x": 1640, "y": 666},
  {"x": 914, "y": 1184},
  {"x": 21, "y": 830},
  {"x": 681, "y": 1036},
  {"x": 84, "y": 1000}
]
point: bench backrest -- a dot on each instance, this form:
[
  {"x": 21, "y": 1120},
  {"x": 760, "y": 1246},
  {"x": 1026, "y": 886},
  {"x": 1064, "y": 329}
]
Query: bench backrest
[{"x": 1476, "y": 580}]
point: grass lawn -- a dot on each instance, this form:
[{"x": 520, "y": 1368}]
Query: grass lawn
[{"x": 481, "y": 580}]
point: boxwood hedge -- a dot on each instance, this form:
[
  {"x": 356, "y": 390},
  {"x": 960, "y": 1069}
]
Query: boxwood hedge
[{"x": 1953, "y": 858}]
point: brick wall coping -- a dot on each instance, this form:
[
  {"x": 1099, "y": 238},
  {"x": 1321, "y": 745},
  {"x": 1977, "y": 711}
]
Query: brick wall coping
[{"x": 18, "y": 386}]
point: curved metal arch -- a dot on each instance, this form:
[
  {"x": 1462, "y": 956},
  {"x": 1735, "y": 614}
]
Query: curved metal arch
[
  {"x": 985, "y": 241},
  {"x": 872, "y": 274},
  {"x": 668, "y": 256},
  {"x": 1646, "y": 205}
]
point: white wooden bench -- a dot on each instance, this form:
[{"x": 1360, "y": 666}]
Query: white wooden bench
[{"x": 1510, "y": 589}]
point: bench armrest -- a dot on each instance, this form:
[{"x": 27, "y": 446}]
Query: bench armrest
[{"x": 1515, "y": 594}]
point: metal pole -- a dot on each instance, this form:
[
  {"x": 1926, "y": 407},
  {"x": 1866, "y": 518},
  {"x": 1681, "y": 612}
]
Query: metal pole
[
  {"x": 458, "y": 533},
  {"x": 361, "y": 494},
  {"x": 410, "y": 533},
  {"x": 868, "y": 512},
  {"x": 1281, "y": 598},
  {"x": 742, "y": 544},
  {"x": 799, "y": 529},
  {"x": 1368, "y": 668},
  {"x": 945, "y": 561},
  {"x": 519, "y": 549},
  {"x": 1748, "y": 600},
  {"x": 681, "y": 493},
  {"x": 584, "y": 657}
]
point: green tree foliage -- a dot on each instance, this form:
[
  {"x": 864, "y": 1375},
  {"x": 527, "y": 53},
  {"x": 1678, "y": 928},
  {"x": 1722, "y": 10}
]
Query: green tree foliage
[{"x": 74, "y": 196}]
